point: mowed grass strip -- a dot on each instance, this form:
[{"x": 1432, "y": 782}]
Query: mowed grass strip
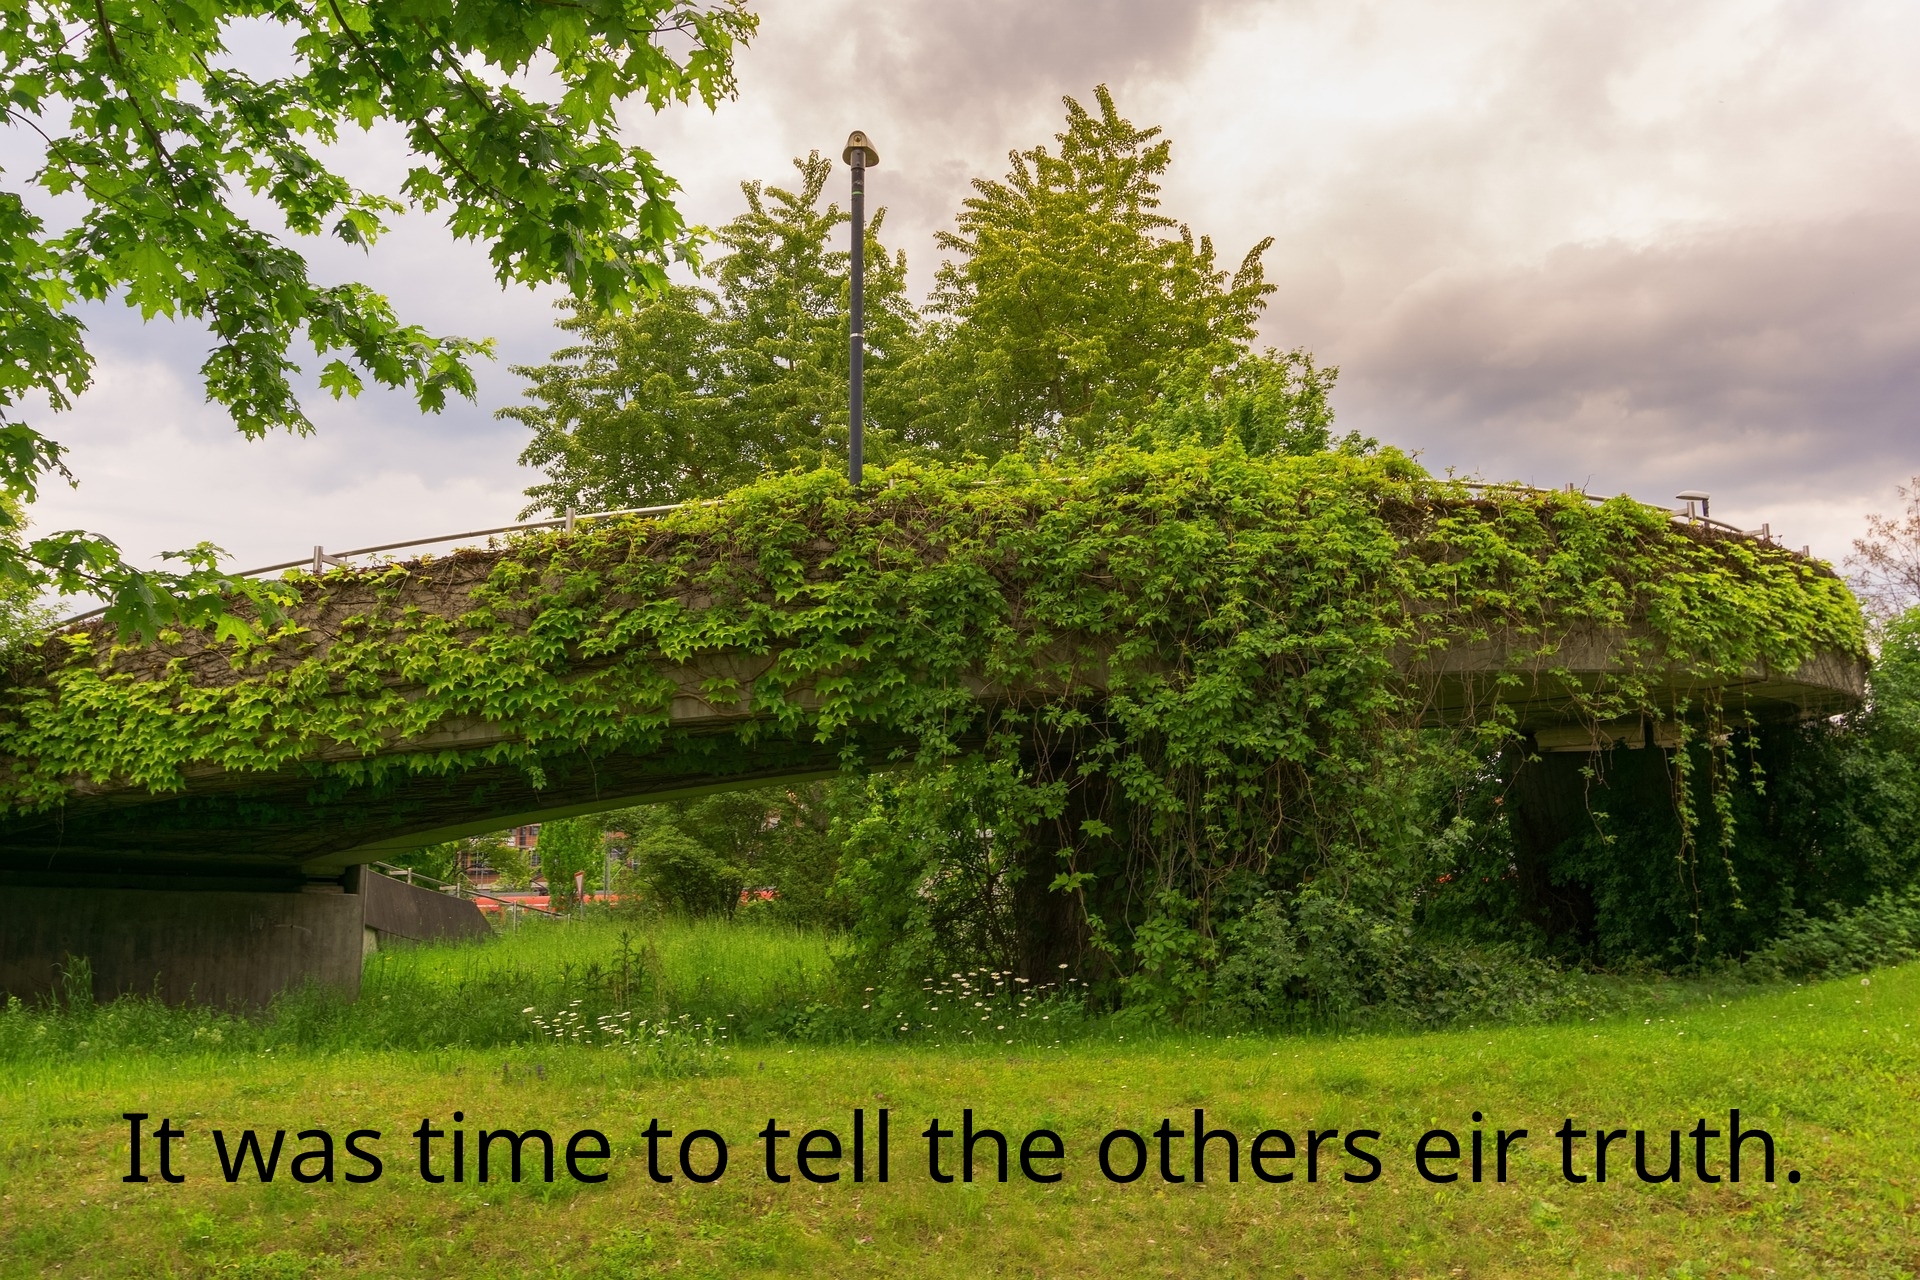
[{"x": 1831, "y": 1071}]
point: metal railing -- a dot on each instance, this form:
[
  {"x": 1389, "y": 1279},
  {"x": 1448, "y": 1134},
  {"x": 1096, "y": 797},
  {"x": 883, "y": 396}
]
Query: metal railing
[
  {"x": 468, "y": 891},
  {"x": 321, "y": 557},
  {"x": 1685, "y": 515}
]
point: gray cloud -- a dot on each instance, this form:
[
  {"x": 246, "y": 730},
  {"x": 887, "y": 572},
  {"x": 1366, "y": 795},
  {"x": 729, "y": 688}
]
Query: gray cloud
[
  {"x": 1768, "y": 329},
  {"x": 946, "y": 90},
  {"x": 1641, "y": 246},
  {"x": 1780, "y": 364},
  {"x": 971, "y": 68}
]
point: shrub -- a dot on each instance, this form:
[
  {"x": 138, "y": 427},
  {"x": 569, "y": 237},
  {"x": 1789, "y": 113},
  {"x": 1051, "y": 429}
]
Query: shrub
[
  {"x": 1884, "y": 931},
  {"x": 683, "y": 875},
  {"x": 1328, "y": 960}
]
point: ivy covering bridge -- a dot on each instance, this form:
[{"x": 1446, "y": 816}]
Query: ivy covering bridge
[{"x": 1186, "y": 665}]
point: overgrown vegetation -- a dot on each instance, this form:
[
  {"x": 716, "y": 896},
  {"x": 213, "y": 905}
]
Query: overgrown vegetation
[
  {"x": 685, "y": 993},
  {"x": 1159, "y": 688},
  {"x": 1815, "y": 819},
  {"x": 1198, "y": 764},
  {"x": 1072, "y": 315},
  {"x": 765, "y": 853}
]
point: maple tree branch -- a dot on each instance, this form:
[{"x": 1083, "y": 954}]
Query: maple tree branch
[{"x": 113, "y": 53}]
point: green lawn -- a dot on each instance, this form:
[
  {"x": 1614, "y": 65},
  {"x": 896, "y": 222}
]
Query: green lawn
[{"x": 1832, "y": 1071}]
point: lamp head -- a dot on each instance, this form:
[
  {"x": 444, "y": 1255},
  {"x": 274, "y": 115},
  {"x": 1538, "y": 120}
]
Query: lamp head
[
  {"x": 1692, "y": 496},
  {"x": 857, "y": 142}
]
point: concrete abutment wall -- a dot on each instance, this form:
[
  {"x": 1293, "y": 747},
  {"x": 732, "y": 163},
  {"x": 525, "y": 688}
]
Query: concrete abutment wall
[{"x": 220, "y": 948}]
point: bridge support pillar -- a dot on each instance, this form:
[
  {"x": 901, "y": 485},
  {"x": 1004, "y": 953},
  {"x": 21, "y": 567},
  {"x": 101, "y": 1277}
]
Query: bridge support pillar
[
  {"x": 212, "y": 947},
  {"x": 1553, "y": 805},
  {"x": 222, "y": 948},
  {"x": 1050, "y": 924}
]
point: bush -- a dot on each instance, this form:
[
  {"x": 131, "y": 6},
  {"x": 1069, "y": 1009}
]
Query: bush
[
  {"x": 926, "y": 871},
  {"x": 1332, "y": 961},
  {"x": 1884, "y": 931},
  {"x": 681, "y": 874}
]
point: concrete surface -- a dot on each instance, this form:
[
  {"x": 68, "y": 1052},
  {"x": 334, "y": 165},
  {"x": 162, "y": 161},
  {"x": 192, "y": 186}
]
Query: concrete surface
[
  {"x": 395, "y": 909},
  {"x": 229, "y": 950}
]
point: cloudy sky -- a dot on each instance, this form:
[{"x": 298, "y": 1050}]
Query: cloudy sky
[{"x": 1642, "y": 247}]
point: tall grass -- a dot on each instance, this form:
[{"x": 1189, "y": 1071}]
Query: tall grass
[
  {"x": 668, "y": 991},
  {"x": 703, "y": 967},
  {"x": 755, "y": 979}
]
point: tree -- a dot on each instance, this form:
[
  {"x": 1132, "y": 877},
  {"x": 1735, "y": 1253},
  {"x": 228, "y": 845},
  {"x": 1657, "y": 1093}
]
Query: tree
[
  {"x": 1887, "y": 560},
  {"x": 566, "y": 847},
  {"x": 151, "y": 126},
  {"x": 512, "y": 864},
  {"x": 681, "y": 873},
  {"x": 1273, "y": 403},
  {"x": 23, "y": 619},
  {"x": 631, "y": 415},
  {"x": 702, "y": 389},
  {"x": 1071, "y": 304},
  {"x": 785, "y": 296},
  {"x": 695, "y": 856}
]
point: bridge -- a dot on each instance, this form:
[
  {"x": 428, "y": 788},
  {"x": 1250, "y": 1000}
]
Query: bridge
[{"x": 360, "y": 739}]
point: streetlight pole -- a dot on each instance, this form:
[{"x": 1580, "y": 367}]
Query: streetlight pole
[{"x": 859, "y": 154}]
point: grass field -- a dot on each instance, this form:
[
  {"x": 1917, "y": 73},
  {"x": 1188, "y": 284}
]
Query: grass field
[{"x": 1832, "y": 1071}]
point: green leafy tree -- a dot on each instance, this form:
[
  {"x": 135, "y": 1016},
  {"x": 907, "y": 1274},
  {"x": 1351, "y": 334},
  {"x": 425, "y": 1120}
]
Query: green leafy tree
[
  {"x": 778, "y": 839},
  {"x": 512, "y": 864},
  {"x": 631, "y": 415},
  {"x": 151, "y": 126},
  {"x": 566, "y": 847},
  {"x": 695, "y": 856},
  {"x": 684, "y": 875},
  {"x": 1272, "y": 403},
  {"x": 701, "y": 389},
  {"x": 1071, "y": 305},
  {"x": 785, "y": 293},
  {"x": 23, "y": 619}
]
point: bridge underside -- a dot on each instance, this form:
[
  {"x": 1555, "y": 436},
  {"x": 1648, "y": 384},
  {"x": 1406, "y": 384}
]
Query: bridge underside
[
  {"x": 282, "y": 831},
  {"x": 1466, "y": 685},
  {"x": 285, "y": 830}
]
